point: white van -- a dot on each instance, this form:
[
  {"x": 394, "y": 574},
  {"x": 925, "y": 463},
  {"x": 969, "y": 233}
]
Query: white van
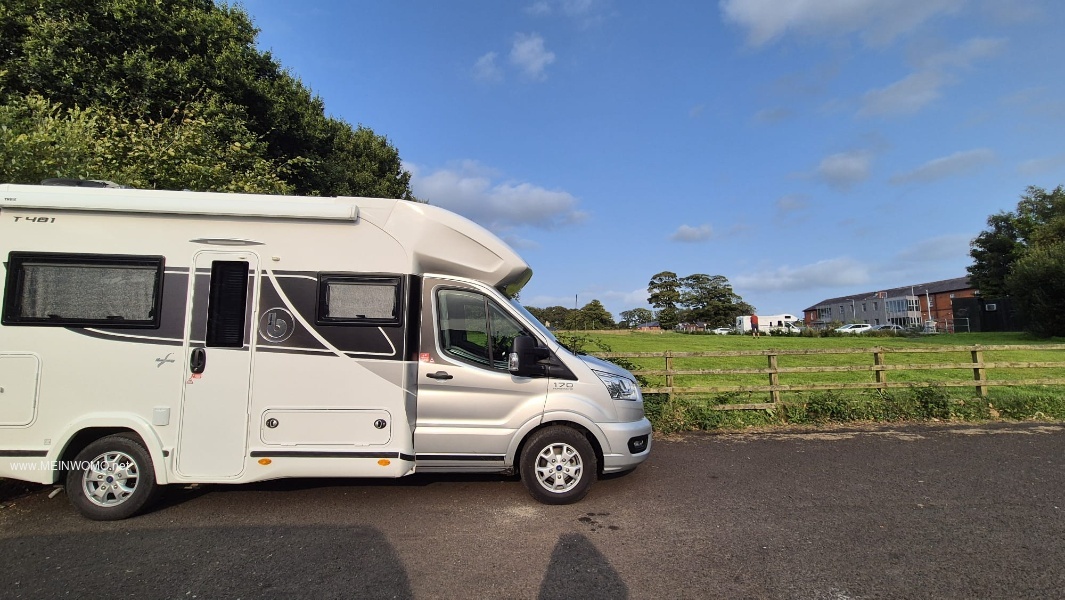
[
  {"x": 151, "y": 338},
  {"x": 782, "y": 323}
]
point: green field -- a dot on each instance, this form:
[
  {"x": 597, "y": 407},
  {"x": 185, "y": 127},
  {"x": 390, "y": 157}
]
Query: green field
[{"x": 926, "y": 393}]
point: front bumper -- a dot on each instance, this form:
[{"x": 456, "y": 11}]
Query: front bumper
[{"x": 620, "y": 436}]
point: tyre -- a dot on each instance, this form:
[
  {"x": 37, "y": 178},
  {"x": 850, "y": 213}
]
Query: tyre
[
  {"x": 114, "y": 479},
  {"x": 558, "y": 465}
]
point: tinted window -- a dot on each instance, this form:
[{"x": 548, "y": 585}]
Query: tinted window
[
  {"x": 359, "y": 300},
  {"x": 73, "y": 290}
]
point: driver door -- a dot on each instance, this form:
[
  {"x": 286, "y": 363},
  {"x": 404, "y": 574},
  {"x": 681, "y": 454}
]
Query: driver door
[{"x": 469, "y": 405}]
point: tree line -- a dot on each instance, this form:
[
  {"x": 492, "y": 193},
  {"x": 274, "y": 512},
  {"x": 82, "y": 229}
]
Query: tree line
[
  {"x": 1021, "y": 255},
  {"x": 171, "y": 95},
  {"x": 698, "y": 298}
]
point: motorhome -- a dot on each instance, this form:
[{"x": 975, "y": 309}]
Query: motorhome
[
  {"x": 781, "y": 324},
  {"x": 151, "y": 338}
]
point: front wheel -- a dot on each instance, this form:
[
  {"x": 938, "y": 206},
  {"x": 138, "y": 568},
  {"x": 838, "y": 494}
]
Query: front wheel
[
  {"x": 113, "y": 479},
  {"x": 558, "y": 465}
]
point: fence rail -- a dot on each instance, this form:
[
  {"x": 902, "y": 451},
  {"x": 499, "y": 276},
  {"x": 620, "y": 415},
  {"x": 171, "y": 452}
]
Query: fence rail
[{"x": 879, "y": 369}]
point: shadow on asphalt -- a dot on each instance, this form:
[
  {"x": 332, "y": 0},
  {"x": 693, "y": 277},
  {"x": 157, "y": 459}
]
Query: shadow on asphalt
[
  {"x": 225, "y": 562},
  {"x": 579, "y": 570}
]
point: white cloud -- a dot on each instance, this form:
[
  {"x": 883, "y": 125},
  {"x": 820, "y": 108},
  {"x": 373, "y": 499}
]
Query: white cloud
[
  {"x": 846, "y": 169},
  {"x": 687, "y": 233},
  {"x": 906, "y": 96},
  {"x": 947, "y": 166},
  {"x": 792, "y": 203},
  {"x": 529, "y": 54},
  {"x": 924, "y": 86},
  {"x": 473, "y": 191},
  {"x": 773, "y": 115},
  {"x": 486, "y": 69},
  {"x": 539, "y": 9},
  {"x": 836, "y": 272},
  {"x": 1039, "y": 166},
  {"x": 877, "y": 21},
  {"x": 940, "y": 248},
  {"x": 964, "y": 55}
]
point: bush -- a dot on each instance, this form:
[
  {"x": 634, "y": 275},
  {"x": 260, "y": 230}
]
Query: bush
[{"x": 1038, "y": 290}]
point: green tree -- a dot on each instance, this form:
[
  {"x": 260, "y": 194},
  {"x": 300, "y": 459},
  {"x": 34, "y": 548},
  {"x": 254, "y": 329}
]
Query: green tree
[
  {"x": 632, "y": 318},
  {"x": 1038, "y": 219},
  {"x": 710, "y": 299},
  {"x": 39, "y": 140},
  {"x": 595, "y": 316},
  {"x": 1022, "y": 255},
  {"x": 664, "y": 294},
  {"x": 140, "y": 61},
  {"x": 1038, "y": 289}
]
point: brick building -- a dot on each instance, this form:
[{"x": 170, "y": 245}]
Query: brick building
[{"x": 908, "y": 306}]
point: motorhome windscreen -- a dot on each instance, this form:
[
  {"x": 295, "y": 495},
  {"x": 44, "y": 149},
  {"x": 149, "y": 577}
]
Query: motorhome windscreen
[{"x": 75, "y": 290}]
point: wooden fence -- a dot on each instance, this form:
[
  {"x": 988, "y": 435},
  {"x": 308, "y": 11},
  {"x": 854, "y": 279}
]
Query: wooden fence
[{"x": 879, "y": 368}]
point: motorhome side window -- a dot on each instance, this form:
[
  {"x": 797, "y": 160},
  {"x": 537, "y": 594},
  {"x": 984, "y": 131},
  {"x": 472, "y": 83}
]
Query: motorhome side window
[
  {"x": 474, "y": 329},
  {"x": 359, "y": 300},
  {"x": 83, "y": 290}
]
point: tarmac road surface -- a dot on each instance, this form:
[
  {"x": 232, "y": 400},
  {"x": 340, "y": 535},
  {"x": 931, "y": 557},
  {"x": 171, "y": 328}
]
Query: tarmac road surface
[{"x": 947, "y": 511}]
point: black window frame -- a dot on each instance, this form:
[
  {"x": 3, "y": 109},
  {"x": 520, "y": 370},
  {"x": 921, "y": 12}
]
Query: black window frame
[
  {"x": 377, "y": 279},
  {"x": 14, "y": 284}
]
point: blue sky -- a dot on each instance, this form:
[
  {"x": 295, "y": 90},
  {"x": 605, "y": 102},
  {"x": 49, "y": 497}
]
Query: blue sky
[{"x": 804, "y": 149}]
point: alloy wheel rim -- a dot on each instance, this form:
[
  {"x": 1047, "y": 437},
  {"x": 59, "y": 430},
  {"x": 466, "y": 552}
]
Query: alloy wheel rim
[
  {"x": 110, "y": 479},
  {"x": 559, "y": 468}
]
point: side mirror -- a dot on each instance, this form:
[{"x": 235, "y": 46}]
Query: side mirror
[{"x": 524, "y": 356}]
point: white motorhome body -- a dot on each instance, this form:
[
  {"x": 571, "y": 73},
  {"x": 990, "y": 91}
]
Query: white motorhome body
[
  {"x": 783, "y": 323},
  {"x": 239, "y": 338}
]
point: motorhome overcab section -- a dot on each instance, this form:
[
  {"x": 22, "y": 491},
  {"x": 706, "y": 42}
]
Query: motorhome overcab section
[{"x": 151, "y": 338}]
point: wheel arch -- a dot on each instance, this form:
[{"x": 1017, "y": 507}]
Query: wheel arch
[
  {"x": 573, "y": 421},
  {"x": 93, "y": 428}
]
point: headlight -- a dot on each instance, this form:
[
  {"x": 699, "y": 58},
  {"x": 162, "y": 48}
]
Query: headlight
[{"x": 619, "y": 388}]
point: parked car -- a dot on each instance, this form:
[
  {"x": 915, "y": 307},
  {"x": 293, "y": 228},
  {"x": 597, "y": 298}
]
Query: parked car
[
  {"x": 890, "y": 327},
  {"x": 722, "y": 330},
  {"x": 854, "y": 328}
]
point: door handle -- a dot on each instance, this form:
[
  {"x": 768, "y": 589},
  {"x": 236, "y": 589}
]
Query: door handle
[
  {"x": 198, "y": 360},
  {"x": 440, "y": 375}
]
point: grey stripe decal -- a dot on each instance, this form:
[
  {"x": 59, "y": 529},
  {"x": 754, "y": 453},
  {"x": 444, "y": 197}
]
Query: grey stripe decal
[
  {"x": 469, "y": 457},
  {"x": 23, "y": 453},
  {"x": 329, "y": 454}
]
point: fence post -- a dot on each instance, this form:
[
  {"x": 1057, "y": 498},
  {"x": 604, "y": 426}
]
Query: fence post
[
  {"x": 979, "y": 372},
  {"x": 669, "y": 373},
  {"x": 879, "y": 374},
  {"x": 774, "y": 379}
]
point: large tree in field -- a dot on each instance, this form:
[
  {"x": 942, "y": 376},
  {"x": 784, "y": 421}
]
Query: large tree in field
[
  {"x": 699, "y": 297},
  {"x": 595, "y": 316},
  {"x": 176, "y": 65},
  {"x": 664, "y": 294},
  {"x": 710, "y": 299},
  {"x": 1021, "y": 255}
]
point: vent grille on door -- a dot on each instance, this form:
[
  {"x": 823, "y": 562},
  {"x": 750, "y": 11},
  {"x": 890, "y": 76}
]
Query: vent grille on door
[{"x": 227, "y": 306}]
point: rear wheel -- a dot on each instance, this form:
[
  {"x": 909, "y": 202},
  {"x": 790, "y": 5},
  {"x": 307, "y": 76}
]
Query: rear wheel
[
  {"x": 114, "y": 479},
  {"x": 558, "y": 465}
]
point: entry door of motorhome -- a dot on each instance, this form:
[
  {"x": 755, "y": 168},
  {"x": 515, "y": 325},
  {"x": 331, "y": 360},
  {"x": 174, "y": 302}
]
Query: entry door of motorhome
[
  {"x": 469, "y": 404},
  {"x": 219, "y": 340}
]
